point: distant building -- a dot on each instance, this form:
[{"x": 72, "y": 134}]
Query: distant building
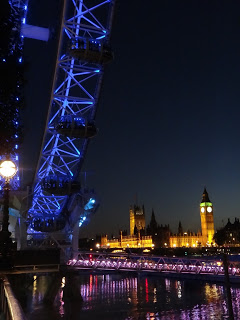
[
  {"x": 229, "y": 235},
  {"x": 137, "y": 237},
  {"x": 200, "y": 239},
  {"x": 160, "y": 234},
  {"x": 134, "y": 241},
  {"x": 137, "y": 219}
]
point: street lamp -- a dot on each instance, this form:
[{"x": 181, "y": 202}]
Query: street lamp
[{"x": 8, "y": 170}]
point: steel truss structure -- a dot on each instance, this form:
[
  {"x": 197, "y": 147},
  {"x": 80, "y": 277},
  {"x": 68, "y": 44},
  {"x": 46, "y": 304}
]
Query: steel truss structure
[
  {"x": 85, "y": 33},
  {"x": 212, "y": 266}
]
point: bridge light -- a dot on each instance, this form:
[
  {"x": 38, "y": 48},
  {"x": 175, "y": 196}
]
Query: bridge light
[{"x": 63, "y": 282}]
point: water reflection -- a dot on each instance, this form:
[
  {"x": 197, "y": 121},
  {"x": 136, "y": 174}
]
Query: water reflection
[{"x": 115, "y": 296}]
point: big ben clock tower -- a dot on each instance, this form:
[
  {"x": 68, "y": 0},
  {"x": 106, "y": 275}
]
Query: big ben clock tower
[{"x": 206, "y": 213}]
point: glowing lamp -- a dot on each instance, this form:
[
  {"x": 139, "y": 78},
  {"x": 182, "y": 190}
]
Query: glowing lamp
[{"x": 8, "y": 169}]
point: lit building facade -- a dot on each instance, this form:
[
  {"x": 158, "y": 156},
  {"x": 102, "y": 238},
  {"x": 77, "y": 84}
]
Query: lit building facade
[
  {"x": 201, "y": 239},
  {"x": 137, "y": 219},
  {"x": 135, "y": 239},
  {"x": 207, "y": 223}
]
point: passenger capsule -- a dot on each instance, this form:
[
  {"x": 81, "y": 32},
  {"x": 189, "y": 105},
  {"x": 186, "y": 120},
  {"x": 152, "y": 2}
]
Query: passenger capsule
[
  {"x": 59, "y": 185},
  {"x": 91, "y": 50},
  {"x": 48, "y": 224},
  {"x": 76, "y": 127}
]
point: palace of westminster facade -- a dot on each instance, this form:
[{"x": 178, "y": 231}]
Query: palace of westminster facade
[{"x": 155, "y": 235}]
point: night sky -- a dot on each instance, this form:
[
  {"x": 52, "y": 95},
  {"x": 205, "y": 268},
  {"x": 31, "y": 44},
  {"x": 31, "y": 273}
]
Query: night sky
[{"x": 168, "y": 116}]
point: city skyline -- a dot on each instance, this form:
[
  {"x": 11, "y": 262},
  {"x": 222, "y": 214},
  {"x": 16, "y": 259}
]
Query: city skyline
[{"x": 167, "y": 117}]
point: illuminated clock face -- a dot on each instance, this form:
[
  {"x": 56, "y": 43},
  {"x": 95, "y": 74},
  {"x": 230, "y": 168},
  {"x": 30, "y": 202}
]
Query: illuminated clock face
[
  {"x": 209, "y": 209},
  {"x": 202, "y": 209}
]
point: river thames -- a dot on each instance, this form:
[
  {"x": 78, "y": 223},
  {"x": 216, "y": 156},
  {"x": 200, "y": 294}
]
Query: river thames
[{"x": 128, "y": 297}]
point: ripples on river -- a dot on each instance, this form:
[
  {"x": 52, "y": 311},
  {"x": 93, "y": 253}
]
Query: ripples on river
[{"x": 120, "y": 297}]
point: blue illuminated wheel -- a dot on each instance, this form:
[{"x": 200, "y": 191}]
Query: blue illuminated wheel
[{"x": 59, "y": 203}]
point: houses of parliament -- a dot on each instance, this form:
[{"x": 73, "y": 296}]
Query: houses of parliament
[{"x": 160, "y": 236}]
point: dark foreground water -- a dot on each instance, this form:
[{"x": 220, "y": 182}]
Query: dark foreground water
[{"x": 118, "y": 297}]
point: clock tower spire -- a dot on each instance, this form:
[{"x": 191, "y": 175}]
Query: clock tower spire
[{"x": 207, "y": 224}]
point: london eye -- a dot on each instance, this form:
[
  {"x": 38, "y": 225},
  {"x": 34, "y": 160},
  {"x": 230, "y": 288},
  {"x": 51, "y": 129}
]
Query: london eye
[{"x": 60, "y": 204}]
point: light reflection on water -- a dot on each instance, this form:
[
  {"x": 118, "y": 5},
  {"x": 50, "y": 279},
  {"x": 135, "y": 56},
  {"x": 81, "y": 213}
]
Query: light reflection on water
[{"x": 116, "y": 296}]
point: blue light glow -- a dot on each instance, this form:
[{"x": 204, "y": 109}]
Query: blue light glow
[
  {"x": 4, "y": 60},
  {"x": 16, "y": 157},
  {"x": 25, "y": 7},
  {"x": 20, "y": 60},
  {"x": 17, "y": 98},
  {"x": 97, "y": 70},
  {"x": 90, "y": 204},
  {"x": 24, "y": 20},
  {"x": 16, "y": 146},
  {"x": 16, "y": 136},
  {"x": 84, "y": 218}
]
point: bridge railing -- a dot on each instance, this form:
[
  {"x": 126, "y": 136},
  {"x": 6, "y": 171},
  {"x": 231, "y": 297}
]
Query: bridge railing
[
  {"x": 9, "y": 305},
  {"x": 201, "y": 265}
]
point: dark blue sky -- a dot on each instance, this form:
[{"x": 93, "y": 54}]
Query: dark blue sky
[{"x": 168, "y": 116}]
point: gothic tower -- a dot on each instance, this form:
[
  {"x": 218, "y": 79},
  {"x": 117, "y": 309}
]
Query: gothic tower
[
  {"x": 137, "y": 218},
  {"x": 207, "y": 224}
]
